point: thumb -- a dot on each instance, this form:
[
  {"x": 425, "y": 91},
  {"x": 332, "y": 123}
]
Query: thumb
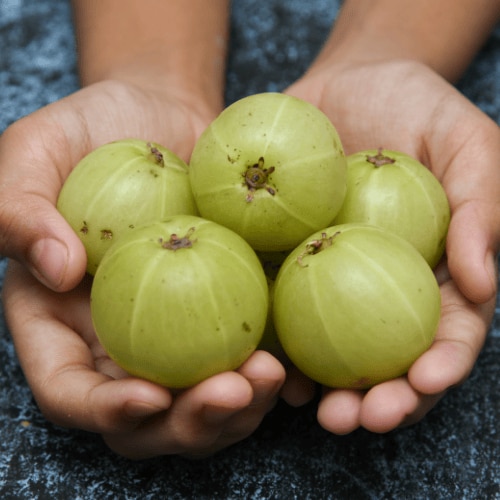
[
  {"x": 465, "y": 157},
  {"x": 472, "y": 246},
  {"x": 54, "y": 255},
  {"x": 31, "y": 229}
]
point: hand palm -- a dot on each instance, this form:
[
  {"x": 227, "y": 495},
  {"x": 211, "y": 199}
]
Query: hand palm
[
  {"x": 407, "y": 107},
  {"x": 73, "y": 380},
  {"x": 59, "y": 136}
]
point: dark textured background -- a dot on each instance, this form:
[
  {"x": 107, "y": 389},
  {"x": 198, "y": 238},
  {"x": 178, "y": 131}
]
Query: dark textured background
[{"x": 453, "y": 453}]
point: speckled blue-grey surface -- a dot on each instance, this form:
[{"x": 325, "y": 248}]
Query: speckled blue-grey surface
[{"x": 454, "y": 453}]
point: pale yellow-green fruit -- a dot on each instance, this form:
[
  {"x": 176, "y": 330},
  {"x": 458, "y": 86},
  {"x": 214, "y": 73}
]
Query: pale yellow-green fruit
[
  {"x": 119, "y": 186},
  {"x": 180, "y": 300},
  {"x": 392, "y": 190},
  {"x": 270, "y": 167},
  {"x": 355, "y": 305}
]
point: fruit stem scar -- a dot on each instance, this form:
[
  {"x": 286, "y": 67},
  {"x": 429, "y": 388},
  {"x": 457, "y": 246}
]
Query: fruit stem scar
[
  {"x": 158, "y": 157},
  {"x": 175, "y": 243},
  {"x": 316, "y": 246},
  {"x": 379, "y": 159},
  {"x": 256, "y": 177}
]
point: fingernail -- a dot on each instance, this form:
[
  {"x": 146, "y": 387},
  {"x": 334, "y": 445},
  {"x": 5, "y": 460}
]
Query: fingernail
[{"x": 49, "y": 258}]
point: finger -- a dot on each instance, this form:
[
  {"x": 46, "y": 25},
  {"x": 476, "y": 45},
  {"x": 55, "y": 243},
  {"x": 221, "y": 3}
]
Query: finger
[
  {"x": 32, "y": 169},
  {"x": 467, "y": 161},
  {"x": 298, "y": 389},
  {"x": 472, "y": 245},
  {"x": 339, "y": 410},
  {"x": 460, "y": 337},
  {"x": 383, "y": 408},
  {"x": 393, "y": 404},
  {"x": 193, "y": 423},
  {"x": 216, "y": 413},
  {"x": 59, "y": 366},
  {"x": 403, "y": 401},
  {"x": 266, "y": 376}
]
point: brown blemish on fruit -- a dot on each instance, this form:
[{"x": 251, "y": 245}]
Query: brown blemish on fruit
[
  {"x": 379, "y": 159},
  {"x": 84, "y": 229},
  {"x": 233, "y": 157},
  {"x": 256, "y": 177},
  {"x": 246, "y": 327},
  {"x": 175, "y": 243},
  {"x": 106, "y": 234}
]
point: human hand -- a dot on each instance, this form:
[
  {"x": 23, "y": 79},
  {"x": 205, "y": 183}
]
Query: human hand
[
  {"x": 405, "y": 106},
  {"x": 38, "y": 152},
  {"x": 73, "y": 381},
  {"x": 76, "y": 384}
]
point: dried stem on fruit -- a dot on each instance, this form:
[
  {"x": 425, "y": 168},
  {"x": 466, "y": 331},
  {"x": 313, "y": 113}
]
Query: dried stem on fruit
[
  {"x": 379, "y": 159},
  {"x": 157, "y": 155},
  {"x": 175, "y": 243},
  {"x": 256, "y": 177},
  {"x": 316, "y": 246}
]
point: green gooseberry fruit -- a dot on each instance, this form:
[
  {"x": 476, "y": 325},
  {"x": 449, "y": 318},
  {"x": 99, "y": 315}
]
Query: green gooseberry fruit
[
  {"x": 355, "y": 305},
  {"x": 121, "y": 185},
  {"x": 180, "y": 300},
  {"x": 270, "y": 167},
  {"x": 395, "y": 191}
]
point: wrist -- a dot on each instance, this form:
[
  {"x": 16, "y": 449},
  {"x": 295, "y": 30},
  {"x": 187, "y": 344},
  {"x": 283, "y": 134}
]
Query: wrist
[
  {"x": 443, "y": 35},
  {"x": 154, "y": 42},
  {"x": 155, "y": 72}
]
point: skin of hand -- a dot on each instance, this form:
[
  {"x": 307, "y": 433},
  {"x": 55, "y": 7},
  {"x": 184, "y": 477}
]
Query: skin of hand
[
  {"x": 378, "y": 98},
  {"x": 159, "y": 78},
  {"x": 133, "y": 87},
  {"x": 44, "y": 147},
  {"x": 76, "y": 384},
  {"x": 73, "y": 381}
]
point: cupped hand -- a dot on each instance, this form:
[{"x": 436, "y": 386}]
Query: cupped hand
[
  {"x": 405, "y": 106},
  {"x": 47, "y": 311},
  {"x": 38, "y": 152},
  {"x": 406, "y": 400},
  {"x": 76, "y": 384}
]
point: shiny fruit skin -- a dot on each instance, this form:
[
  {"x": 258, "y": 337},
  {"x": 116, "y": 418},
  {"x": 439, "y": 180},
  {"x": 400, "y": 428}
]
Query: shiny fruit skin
[
  {"x": 270, "y": 167},
  {"x": 358, "y": 310},
  {"x": 401, "y": 195},
  {"x": 119, "y": 186},
  {"x": 177, "y": 316}
]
